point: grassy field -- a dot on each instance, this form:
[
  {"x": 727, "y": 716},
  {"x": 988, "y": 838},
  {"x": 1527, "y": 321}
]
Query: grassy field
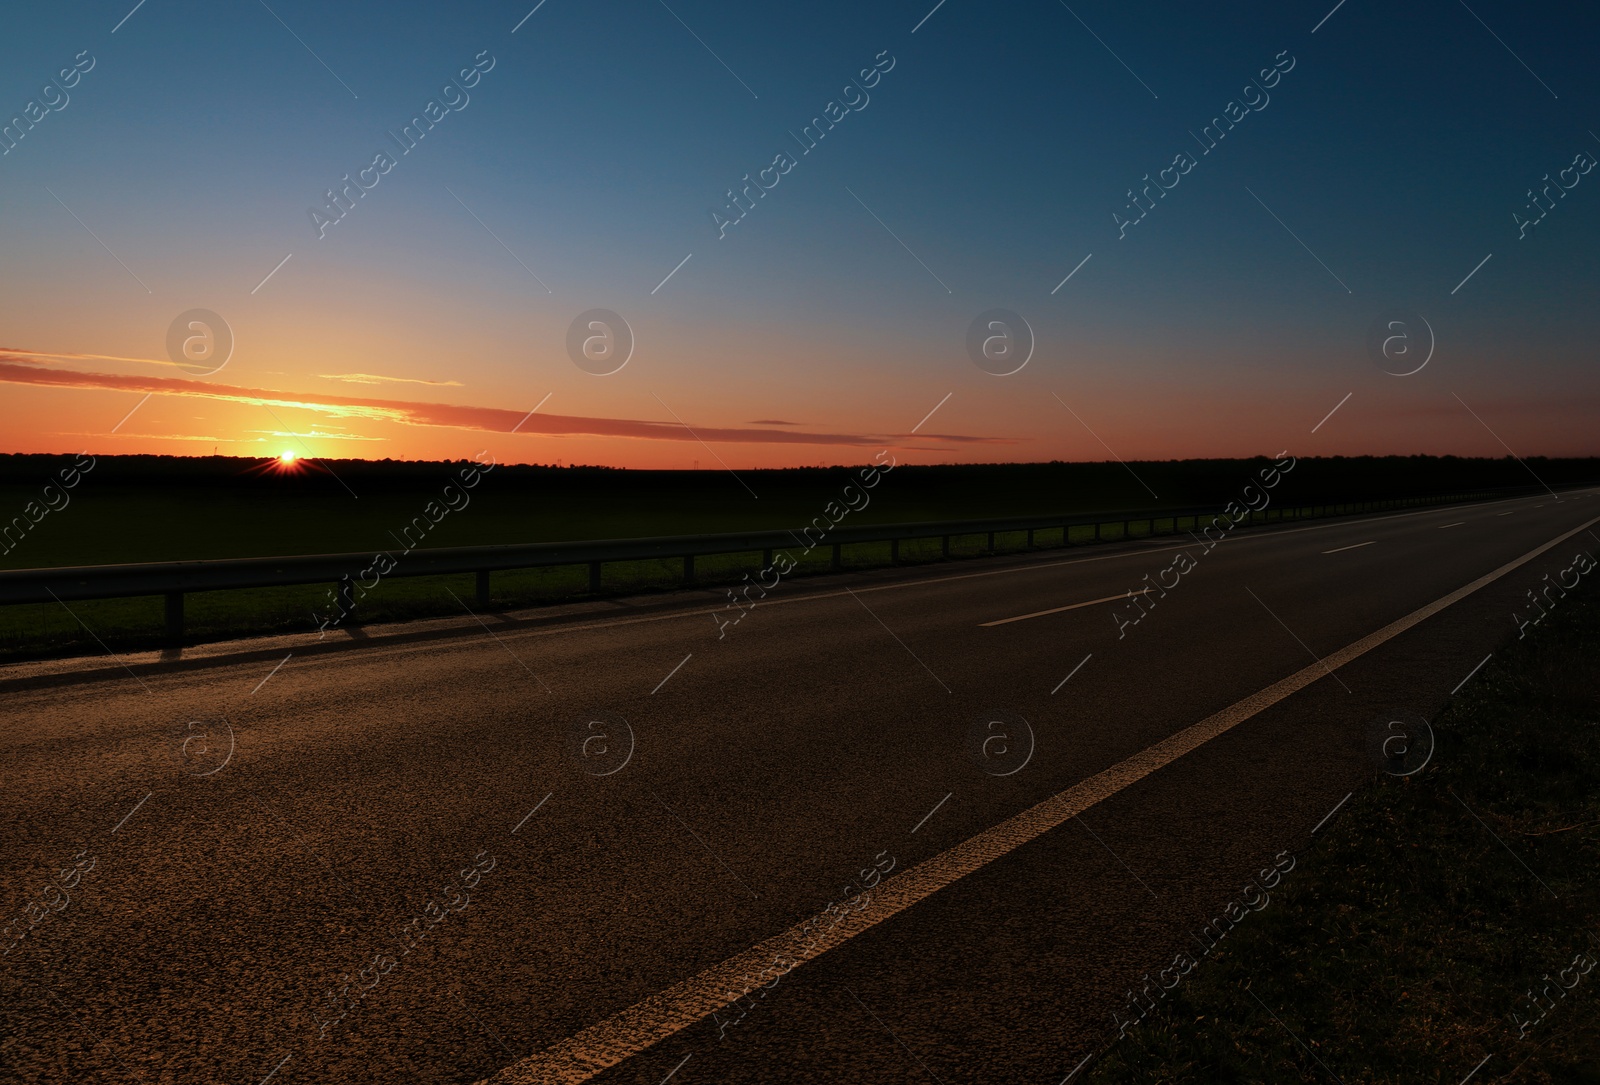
[
  {"x": 122, "y": 515},
  {"x": 1440, "y": 920},
  {"x": 141, "y": 509}
]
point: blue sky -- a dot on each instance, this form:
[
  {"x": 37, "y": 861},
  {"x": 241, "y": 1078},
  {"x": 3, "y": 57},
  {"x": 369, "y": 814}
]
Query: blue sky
[{"x": 987, "y": 165}]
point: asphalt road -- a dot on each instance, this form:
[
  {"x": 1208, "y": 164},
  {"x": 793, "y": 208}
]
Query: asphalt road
[{"x": 399, "y": 860}]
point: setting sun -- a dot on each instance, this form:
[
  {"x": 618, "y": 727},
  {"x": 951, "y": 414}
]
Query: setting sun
[{"x": 287, "y": 462}]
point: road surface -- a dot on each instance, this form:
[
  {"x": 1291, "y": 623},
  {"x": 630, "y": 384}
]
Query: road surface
[{"x": 441, "y": 858}]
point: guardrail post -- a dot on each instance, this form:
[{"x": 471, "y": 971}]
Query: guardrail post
[
  {"x": 1030, "y": 538},
  {"x": 894, "y": 550},
  {"x": 174, "y": 619},
  {"x": 1097, "y": 531},
  {"x": 1125, "y": 524},
  {"x": 347, "y": 597},
  {"x": 688, "y": 569},
  {"x": 766, "y": 559},
  {"x": 594, "y": 578},
  {"x": 483, "y": 587},
  {"x": 838, "y": 557},
  {"x": 947, "y": 546},
  {"x": 991, "y": 542}
]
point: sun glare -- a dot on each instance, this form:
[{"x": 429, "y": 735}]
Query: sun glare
[{"x": 287, "y": 462}]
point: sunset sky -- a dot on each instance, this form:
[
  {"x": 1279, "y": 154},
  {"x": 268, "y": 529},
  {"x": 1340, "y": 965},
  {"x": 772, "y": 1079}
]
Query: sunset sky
[{"x": 1389, "y": 161}]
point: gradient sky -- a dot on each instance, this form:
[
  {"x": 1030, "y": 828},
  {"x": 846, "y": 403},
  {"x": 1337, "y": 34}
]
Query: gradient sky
[{"x": 825, "y": 325}]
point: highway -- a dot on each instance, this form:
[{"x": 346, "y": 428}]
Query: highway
[{"x": 441, "y": 858}]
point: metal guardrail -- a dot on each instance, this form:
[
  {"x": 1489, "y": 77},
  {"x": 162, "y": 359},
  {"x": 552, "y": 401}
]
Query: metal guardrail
[{"x": 173, "y": 579}]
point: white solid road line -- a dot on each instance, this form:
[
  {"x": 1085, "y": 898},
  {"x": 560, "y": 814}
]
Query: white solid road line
[
  {"x": 1073, "y": 606},
  {"x": 1458, "y": 523},
  {"x": 640, "y": 1026},
  {"x": 1354, "y": 546}
]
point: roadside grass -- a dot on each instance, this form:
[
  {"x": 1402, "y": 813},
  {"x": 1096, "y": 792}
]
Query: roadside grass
[
  {"x": 109, "y": 526},
  {"x": 1428, "y": 925},
  {"x": 50, "y": 629}
]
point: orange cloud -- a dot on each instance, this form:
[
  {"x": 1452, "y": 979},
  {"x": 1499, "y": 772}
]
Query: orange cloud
[{"x": 490, "y": 419}]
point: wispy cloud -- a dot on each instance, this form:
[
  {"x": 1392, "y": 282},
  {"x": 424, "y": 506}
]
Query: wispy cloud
[
  {"x": 319, "y": 434},
  {"x": 159, "y": 437},
  {"x": 374, "y": 378},
  {"x": 959, "y": 438},
  {"x": 41, "y": 357}
]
